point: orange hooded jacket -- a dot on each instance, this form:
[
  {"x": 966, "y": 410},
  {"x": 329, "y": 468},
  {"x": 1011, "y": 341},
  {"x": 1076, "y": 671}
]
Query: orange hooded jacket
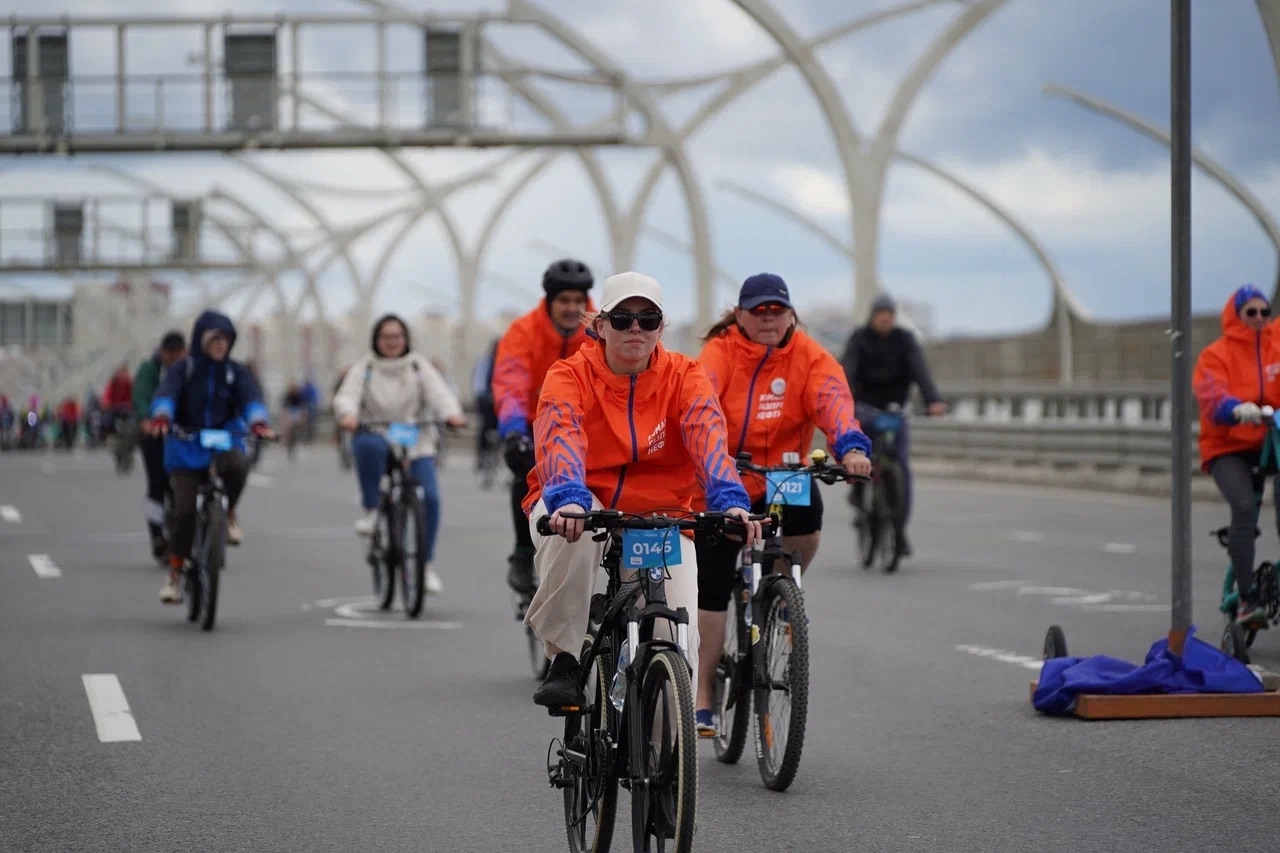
[
  {"x": 530, "y": 346},
  {"x": 773, "y": 397},
  {"x": 640, "y": 444},
  {"x": 1241, "y": 366}
]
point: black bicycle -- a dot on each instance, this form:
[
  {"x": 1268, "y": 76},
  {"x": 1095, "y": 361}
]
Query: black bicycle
[
  {"x": 209, "y": 549},
  {"x": 772, "y": 675},
  {"x": 881, "y": 525},
  {"x": 123, "y": 442},
  {"x": 397, "y": 546},
  {"x": 652, "y": 753}
]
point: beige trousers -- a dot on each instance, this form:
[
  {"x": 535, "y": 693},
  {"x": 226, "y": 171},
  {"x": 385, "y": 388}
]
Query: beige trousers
[{"x": 567, "y": 575}]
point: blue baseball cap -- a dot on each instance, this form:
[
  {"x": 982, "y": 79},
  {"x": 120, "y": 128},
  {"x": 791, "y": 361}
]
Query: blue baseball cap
[
  {"x": 1244, "y": 294},
  {"x": 761, "y": 288}
]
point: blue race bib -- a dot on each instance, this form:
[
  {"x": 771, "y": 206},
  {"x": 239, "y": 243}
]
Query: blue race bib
[
  {"x": 887, "y": 422},
  {"x": 650, "y": 549},
  {"x": 215, "y": 439},
  {"x": 405, "y": 435},
  {"x": 789, "y": 488}
]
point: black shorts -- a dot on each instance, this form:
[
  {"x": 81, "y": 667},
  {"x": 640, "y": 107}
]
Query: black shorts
[{"x": 718, "y": 560}]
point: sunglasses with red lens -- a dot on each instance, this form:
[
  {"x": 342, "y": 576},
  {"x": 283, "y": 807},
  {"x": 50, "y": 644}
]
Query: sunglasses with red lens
[{"x": 768, "y": 309}]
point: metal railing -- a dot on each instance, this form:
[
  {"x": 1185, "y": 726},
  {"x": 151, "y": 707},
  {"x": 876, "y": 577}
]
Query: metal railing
[{"x": 1142, "y": 447}]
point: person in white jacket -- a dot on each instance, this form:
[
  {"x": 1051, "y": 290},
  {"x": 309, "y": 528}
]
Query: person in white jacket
[{"x": 393, "y": 384}]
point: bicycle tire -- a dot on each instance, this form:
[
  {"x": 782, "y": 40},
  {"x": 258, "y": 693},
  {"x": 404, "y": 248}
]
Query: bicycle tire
[
  {"x": 191, "y": 575},
  {"x": 381, "y": 556},
  {"x": 413, "y": 570},
  {"x": 733, "y": 685},
  {"x": 652, "y": 815},
  {"x": 889, "y": 535},
  {"x": 782, "y": 592},
  {"x": 606, "y": 797},
  {"x": 211, "y": 563}
]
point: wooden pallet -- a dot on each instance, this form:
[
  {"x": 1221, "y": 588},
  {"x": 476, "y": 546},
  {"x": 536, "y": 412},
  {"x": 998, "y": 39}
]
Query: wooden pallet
[{"x": 1165, "y": 706}]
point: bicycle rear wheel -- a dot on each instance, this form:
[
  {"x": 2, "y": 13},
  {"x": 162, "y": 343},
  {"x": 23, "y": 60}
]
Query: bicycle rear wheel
[
  {"x": 664, "y": 809},
  {"x": 591, "y": 799},
  {"x": 413, "y": 558},
  {"x": 782, "y": 705},
  {"x": 212, "y": 559},
  {"x": 732, "y": 701}
]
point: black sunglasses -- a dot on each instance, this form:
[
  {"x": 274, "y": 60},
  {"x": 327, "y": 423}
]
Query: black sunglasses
[
  {"x": 622, "y": 320},
  {"x": 1255, "y": 312}
]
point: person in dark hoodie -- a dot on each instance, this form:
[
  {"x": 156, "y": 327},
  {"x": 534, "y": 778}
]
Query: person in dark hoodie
[
  {"x": 206, "y": 390},
  {"x": 173, "y": 348},
  {"x": 882, "y": 361}
]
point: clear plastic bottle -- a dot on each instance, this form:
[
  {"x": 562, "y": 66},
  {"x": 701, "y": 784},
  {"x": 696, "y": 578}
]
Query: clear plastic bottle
[{"x": 618, "y": 690}]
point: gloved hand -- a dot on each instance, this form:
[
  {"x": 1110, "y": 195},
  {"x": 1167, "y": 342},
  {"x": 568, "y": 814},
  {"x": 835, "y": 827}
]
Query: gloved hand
[
  {"x": 517, "y": 452},
  {"x": 1247, "y": 413}
]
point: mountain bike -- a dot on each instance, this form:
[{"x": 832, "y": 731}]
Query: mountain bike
[
  {"x": 772, "y": 675},
  {"x": 637, "y": 726},
  {"x": 123, "y": 442},
  {"x": 1237, "y": 639},
  {"x": 880, "y": 526},
  {"x": 397, "y": 546},
  {"x": 209, "y": 548}
]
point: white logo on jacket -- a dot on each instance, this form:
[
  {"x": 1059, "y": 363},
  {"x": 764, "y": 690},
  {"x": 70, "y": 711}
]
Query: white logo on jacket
[
  {"x": 658, "y": 438},
  {"x": 1272, "y": 371}
]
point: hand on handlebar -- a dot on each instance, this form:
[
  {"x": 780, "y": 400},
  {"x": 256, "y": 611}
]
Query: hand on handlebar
[
  {"x": 570, "y": 528},
  {"x": 264, "y": 432},
  {"x": 857, "y": 464},
  {"x": 1247, "y": 413},
  {"x": 751, "y": 529},
  {"x": 350, "y": 423},
  {"x": 936, "y": 409},
  {"x": 457, "y": 421},
  {"x": 156, "y": 427}
]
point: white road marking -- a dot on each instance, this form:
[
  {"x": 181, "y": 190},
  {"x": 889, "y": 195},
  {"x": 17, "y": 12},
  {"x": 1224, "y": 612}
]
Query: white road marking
[
  {"x": 1119, "y": 548},
  {"x": 989, "y": 585},
  {"x": 1111, "y": 601},
  {"x": 261, "y": 480},
  {"x": 1028, "y": 536},
  {"x": 399, "y": 623},
  {"x": 333, "y": 602},
  {"x": 44, "y": 567},
  {"x": 10, "y": 513},
  {"x": 110, "y": 709},
  {"x": 1001, "y": 655},
  {"x": 1126, "y": 608}
]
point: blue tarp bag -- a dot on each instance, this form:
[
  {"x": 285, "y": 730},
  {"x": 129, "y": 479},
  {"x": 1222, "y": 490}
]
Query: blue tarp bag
[{"x": 1201, "y": 669}]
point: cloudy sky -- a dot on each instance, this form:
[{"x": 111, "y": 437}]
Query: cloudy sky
[{"x": 1092, "y": 190}]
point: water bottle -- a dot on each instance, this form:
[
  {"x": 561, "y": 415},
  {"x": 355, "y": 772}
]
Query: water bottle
[{"x": 618, "y": 690}]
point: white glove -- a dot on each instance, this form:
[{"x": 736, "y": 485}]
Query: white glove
[{"x": 1247, "y": 413}]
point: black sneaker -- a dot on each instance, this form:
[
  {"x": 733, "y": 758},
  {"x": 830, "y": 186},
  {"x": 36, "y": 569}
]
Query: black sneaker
[
  {"x": 563, "y": 684},
  {"x": 520, "y": 573}
]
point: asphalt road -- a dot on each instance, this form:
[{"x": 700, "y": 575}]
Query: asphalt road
[{"x": 303, "y": 723}]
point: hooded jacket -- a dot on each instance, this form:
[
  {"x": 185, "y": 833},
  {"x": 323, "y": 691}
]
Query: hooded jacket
[
  {"x": 880, "y": 369},
  {"x": 1238, "y": 367},
  {"x": 654, "y": 439},
  {"x": 198, "y": 392},
  {"x": 774, "y": 396},
  {"x": 526, "y": 352}
]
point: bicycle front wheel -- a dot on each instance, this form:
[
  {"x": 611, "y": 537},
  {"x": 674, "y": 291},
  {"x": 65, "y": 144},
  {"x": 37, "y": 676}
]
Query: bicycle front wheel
[
  {"x": 382, "y": 553},
  {"x": 212, "y": 559},
  {"x": 665, "y": 807},
  {"x": 782, "y": 703},
  {"x": 888, "y": 517},
  {"x": 413, "y": 558}
]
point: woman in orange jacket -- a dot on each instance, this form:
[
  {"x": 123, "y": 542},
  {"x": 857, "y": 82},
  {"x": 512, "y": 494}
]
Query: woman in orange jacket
[
  {"x": 628, "y": 425},
  {"x": 776, "y": 385},
  {"x": 1235, "y": 376}
]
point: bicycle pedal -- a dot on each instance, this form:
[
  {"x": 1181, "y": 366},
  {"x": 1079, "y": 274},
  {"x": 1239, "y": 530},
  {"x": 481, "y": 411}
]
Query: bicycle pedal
[{"x": 564, "y": 710}]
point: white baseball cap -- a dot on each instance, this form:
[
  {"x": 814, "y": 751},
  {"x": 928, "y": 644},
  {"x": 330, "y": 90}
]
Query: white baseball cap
[{"x": 625, "y": 285}]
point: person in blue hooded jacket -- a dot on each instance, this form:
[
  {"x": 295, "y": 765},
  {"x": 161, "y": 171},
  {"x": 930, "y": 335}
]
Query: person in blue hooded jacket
[{"x": 206, "y": 390}]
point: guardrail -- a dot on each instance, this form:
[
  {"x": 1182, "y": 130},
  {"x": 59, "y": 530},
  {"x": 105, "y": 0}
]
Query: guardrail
[{"x": 1143, "y": 447}]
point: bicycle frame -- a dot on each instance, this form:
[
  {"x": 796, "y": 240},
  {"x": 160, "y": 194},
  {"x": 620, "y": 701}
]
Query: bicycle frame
[{"x": 1269, "y": 459}]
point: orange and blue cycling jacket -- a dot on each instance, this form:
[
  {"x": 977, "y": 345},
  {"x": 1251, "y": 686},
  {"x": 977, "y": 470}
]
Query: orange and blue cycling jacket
[
  {"x": 528, "y": 349},
  {"x": 642, "y": 444},
  {"x": 1242, "y": 366},
  {"x": 773, "y": 397}
]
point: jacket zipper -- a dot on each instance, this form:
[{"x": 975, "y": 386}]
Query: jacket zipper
[
  {"x": 751, "y": 394},
  {"x": 1261, "y": 384},
  {"x": 635, "y": 450},
  {"x": 208, "y": 401}
]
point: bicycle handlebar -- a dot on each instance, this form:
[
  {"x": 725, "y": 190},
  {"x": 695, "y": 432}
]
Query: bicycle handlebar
[
  {"x": 194, "y": 435},
  {"x": 372, "y": 425},
  {"x": 612, "y": 519},
  {"x": 820, "y": 469}
]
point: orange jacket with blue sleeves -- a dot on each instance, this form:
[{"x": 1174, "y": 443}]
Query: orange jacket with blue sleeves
[
  {"x": 641, "y": 444},
  {"x": 532, "y": 344},
  {"x": 773, "y": 397}
]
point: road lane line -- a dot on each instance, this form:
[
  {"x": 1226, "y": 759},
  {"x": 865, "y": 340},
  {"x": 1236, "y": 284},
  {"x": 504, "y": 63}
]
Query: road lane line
[
  {"x": 1001, "y": 655},
  {"x": 260, "y": 480},
  {"x": 110, "y": 709},
  {"x": 1119, "y": 548},
  {"x": 44, "y": 567},
  {"x": 1028, "y": 536},
  {"x": 399, "y": 623},
  {"x": 10, "y": 513}
]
